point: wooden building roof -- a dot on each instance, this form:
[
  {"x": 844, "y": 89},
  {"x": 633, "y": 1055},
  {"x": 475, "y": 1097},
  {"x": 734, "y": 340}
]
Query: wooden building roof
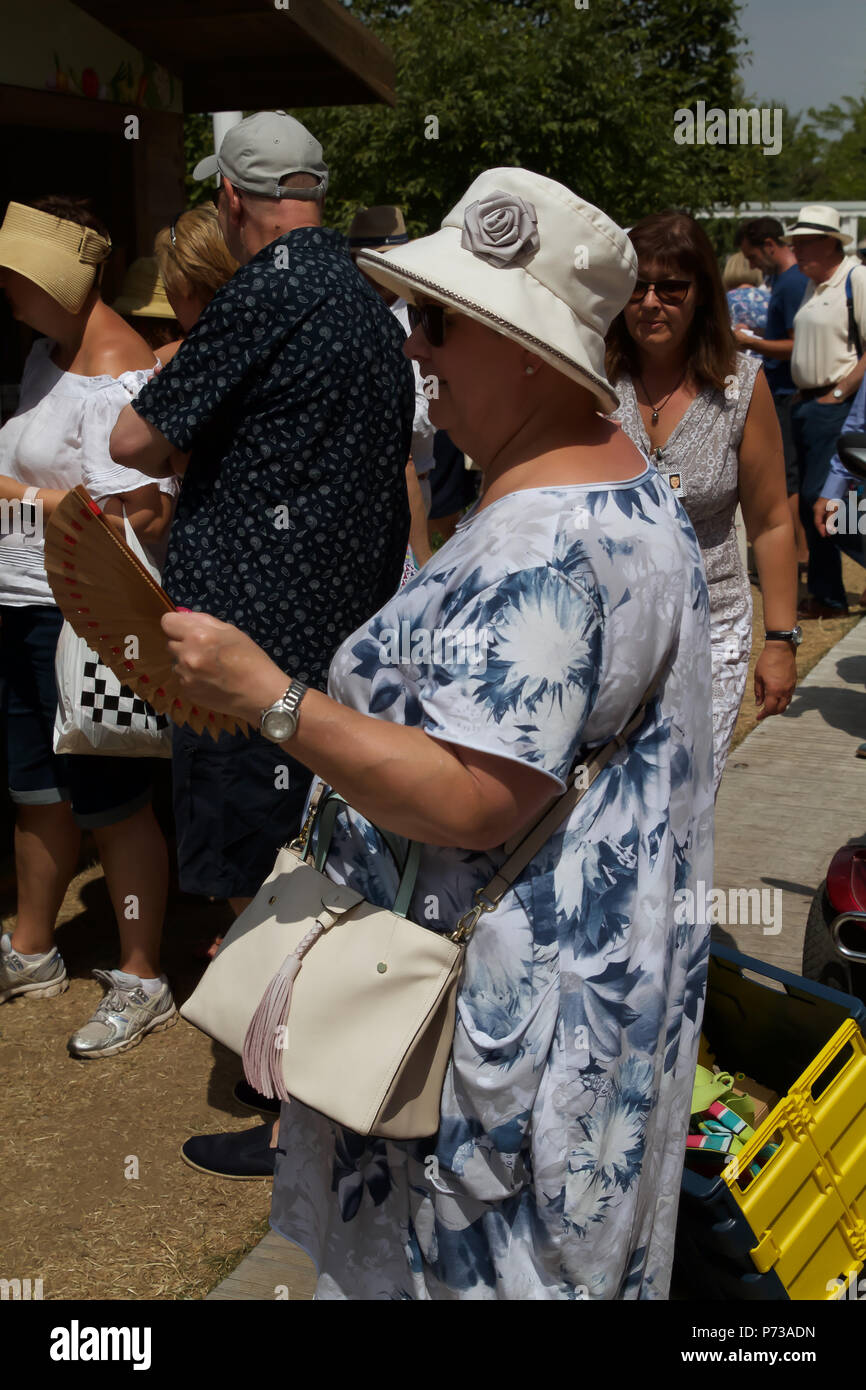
[{"x": 251, "y": 55}]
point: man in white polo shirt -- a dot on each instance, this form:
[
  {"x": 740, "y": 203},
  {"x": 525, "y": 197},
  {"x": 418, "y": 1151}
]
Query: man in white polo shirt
[{"x": 827, "y": 365}]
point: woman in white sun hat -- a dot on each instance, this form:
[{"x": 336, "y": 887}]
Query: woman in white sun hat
[{"x": 572, "y": 587}]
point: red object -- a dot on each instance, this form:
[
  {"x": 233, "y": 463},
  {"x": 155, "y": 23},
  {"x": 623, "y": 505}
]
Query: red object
[
  {"x": 95, "y": 507},
  {"x": 90, "y": 83},
  {"x": 183, "y": 610},
  {"x": 846, "y": 879}
]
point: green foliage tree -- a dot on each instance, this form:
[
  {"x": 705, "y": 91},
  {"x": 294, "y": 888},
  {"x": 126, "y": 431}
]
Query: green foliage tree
[
  {"x": 843, "y": 156},
  {"x": 586, "y": 96}
]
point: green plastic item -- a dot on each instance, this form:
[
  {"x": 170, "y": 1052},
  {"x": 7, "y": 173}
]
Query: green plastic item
[
  {"x": 744, "y": 1106},
  {"x": 710, "y": 1086}
]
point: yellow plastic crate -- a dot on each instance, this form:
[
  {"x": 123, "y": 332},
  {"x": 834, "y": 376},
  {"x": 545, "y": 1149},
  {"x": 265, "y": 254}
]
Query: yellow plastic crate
[{"x": 807, "y": 1205}]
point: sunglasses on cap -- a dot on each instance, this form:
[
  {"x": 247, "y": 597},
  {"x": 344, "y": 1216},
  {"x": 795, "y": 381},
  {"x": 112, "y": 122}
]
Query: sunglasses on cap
[
  {"x": 668, "y": 291},
  {"x": 431, "y": 318}
]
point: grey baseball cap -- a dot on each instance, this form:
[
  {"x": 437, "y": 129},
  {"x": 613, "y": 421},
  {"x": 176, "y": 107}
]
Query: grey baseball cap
[{"x": 261, "y": 150}]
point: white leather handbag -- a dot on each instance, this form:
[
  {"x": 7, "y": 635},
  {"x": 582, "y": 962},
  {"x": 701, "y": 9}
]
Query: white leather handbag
[{"x": 348, "y": 1007}]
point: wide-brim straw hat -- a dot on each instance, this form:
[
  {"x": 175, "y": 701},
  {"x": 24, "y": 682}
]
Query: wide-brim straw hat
[
  {"x": 524, "y": 255},
  {"x": 819, "y": 219},
  {"x": 142, "y": 293},
  {"x": 60, "y": 257}
]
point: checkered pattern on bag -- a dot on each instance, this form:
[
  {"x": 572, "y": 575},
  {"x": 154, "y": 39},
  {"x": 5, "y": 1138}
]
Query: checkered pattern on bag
[{"x": 107, "y": 708}]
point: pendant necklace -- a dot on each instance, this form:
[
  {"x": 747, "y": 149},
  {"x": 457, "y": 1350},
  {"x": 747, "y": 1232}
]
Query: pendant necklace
[{"x": 661, "y": 405}]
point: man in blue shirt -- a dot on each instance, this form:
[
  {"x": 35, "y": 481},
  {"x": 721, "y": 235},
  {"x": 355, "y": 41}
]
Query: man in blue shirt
[
  {"x": 762, "y": 243},
  {"x": 294, "y": 400}
]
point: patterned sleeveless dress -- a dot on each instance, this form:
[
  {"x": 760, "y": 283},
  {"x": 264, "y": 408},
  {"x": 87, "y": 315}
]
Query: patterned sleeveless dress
[{"x": 702, "y": 454}]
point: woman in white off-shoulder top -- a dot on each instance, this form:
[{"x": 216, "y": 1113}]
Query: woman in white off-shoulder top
[{"x": 78, "y": 377}]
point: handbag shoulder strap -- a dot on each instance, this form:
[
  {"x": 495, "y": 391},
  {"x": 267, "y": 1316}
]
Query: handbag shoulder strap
[
  {"x": 853, "y": 329},
  {"x": 323, "y": 810},
  {"x": 530, "y": 841}
]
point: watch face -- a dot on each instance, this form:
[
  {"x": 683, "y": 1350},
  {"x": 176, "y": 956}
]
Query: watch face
[{"x": 278, "y": 725}]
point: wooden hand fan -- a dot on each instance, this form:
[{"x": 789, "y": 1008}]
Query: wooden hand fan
[{"x": 108, "y": 598}]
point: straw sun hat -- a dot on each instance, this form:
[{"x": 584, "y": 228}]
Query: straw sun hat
[
  {"x": 530, "y": 259},
  {"x": 60, "y": 257},
  {"x": 142, "y": 292}
]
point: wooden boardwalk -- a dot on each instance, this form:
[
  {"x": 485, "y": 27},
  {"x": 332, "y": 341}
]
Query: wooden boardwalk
[
  {"x": 793, "y": 792},
  {"x": 275, "y": 1270}
]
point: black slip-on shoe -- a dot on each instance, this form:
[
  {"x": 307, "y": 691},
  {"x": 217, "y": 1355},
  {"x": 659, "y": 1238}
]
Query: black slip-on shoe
[
  {"x": 244, "y": 1154},
  {"x": 246, "y": 1095}
]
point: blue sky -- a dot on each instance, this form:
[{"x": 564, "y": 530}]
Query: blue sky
[{"x": 804, "y": 52}]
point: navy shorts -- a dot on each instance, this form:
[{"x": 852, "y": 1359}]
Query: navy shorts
[
  {"x": 102, "y": 789},
  {"x": 237, "y": 800}
]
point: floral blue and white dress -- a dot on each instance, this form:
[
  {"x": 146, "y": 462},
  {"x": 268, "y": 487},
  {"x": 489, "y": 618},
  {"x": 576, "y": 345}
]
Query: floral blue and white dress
[{"x": 555, "y": 1172}]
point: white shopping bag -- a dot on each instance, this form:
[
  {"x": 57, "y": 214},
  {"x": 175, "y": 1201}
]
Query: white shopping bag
[{"x": 95, "y": 713}]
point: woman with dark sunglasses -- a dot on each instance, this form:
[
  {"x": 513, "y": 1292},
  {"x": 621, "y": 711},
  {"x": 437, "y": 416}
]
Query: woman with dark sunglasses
[
  {"x": 705, "y": 415},
  {"x": 455, "y": 717}
]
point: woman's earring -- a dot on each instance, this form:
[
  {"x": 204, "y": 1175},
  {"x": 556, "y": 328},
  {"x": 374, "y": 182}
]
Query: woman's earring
[{"x": 530, "y": 371}]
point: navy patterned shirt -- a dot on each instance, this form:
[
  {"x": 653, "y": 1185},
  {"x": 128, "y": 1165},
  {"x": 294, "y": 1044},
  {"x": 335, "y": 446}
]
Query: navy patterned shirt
[{"x": 295, "y": 399}]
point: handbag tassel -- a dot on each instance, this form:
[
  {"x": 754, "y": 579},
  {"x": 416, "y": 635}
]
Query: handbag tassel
[{"x": 265, "y": 1038}]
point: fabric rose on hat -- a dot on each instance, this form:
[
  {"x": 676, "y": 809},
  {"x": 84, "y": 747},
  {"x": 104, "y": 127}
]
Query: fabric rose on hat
[{"x": 501, "y": 229}]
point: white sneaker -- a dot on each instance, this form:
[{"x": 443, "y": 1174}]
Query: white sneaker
[
  {"x": 123, "y": 1016},
  {"x": 40, "y": 979}
]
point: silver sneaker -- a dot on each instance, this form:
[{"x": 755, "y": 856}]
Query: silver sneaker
[
  {"x": 40, "y": 979},
  {"x": 122, "y": 1018}
]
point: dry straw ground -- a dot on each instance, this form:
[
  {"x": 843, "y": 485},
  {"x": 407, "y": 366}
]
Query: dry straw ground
[{"x": 69, "y": 1129}]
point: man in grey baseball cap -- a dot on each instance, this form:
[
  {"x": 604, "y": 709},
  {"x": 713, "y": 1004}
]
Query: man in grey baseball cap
[
  {"x": 259, "y": 153},
  {"x": 294, "y": 400}
]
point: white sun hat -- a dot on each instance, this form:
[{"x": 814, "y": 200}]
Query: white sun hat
[{"x": 524, "y": 255}]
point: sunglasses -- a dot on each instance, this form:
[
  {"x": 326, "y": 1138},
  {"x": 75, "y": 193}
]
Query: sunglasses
[
  {"x": 668, "y": 291},
  {"x": 431, "y": 318}
]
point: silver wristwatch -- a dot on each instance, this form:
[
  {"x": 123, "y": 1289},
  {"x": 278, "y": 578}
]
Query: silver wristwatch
[{"x": 280, "y": 720}]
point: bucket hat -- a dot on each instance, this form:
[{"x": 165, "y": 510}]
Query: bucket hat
[
  {"x": 529, "y": 258},
  {"x": 819, "y": 219},
  {"x": 60, "y": 257},
  {"x": 142, "y": 293}
]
